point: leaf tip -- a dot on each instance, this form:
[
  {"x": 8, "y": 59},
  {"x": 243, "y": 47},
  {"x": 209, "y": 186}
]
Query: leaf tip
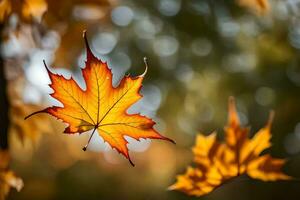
[
  {"x": 132, "y": 164},
  {"x": 84, "y": 33},
  {"x": 85, "y": 38},
  {"x": 47, "y": 68},
  {"x": 170, "y": 140},
  {"x": 146, "y": 69},
  {"x": 34, "y": 113},
  {"x": 89, "y": 54},
  {"x": 232, "y": 112},
  {"x": 166, "y": 138}
]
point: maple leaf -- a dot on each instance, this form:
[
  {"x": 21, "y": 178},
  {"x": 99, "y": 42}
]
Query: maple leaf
[
  {"x": 260, "y": 7},
  {"x": 216, "y": 162},
  {"x": 8, "y": 179},
  {"x": 101, "y": 106}
]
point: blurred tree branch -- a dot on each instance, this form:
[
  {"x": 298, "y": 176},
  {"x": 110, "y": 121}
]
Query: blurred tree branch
[{"x": 4, "y": 103}]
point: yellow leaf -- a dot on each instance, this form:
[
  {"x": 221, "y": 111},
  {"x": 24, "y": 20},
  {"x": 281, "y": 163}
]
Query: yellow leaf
[{"x": 219, "y": 162}]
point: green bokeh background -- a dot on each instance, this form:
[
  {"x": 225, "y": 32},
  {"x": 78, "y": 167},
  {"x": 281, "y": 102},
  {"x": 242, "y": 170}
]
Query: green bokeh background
[{"x": 199, "y": 52}]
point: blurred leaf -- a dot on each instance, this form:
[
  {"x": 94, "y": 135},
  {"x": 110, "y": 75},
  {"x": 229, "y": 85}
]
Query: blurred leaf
[
  {"x": 217, "y": 162},
  {"x": 27, "y": 10},
  {"x": 32, "y": 129},
  {"x": 5, "y": 9},
  {"x": 258, "y": 6},
  {"x": 34, "y": 8},
  {"x": 7, "y": 177}
]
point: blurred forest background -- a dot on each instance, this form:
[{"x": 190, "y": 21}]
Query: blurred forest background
[{"x": 200, "y": 52}]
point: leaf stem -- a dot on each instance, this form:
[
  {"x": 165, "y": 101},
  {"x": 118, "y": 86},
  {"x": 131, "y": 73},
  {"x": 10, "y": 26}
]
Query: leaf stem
[{"x": 86, "y": 146}]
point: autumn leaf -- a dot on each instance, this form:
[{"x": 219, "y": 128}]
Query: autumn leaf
[
  {"x": 8, "y": 179},
  {"x": 101, "y": 106},
  {"x": 216, "y": 162},
  {"x": 26, "y": 9},
  {"x": 31, "y": 130},
  {"x": 260, "y": 7},
  {"x": 34, "y": 8},
  {"x": 5, "y": 9}
]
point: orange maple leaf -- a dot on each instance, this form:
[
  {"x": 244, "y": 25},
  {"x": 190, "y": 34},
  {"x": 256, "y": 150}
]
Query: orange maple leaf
[
  {"x": 216, "y": 162},
  {"x": 101, "y": 106}
]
